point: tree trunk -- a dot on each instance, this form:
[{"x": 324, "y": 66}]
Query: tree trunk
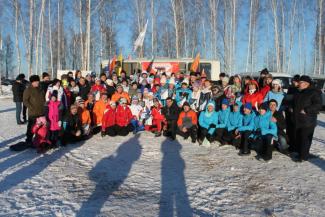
[
  {"x": 16, "y": 36},
  {"x": 31, "y": 33}
]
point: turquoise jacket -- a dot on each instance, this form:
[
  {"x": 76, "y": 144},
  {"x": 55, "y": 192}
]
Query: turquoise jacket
[
  {"x": 206, "y": 119},
  {"x": 264, "y": 124},
  {"x": 235, "y": 121},
  {"x": 248, "y": 123},
  {"x": 223, "y": 118}
]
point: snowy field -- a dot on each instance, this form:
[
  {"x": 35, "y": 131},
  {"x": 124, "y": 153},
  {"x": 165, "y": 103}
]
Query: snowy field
[{"x": 145, "y": 176}]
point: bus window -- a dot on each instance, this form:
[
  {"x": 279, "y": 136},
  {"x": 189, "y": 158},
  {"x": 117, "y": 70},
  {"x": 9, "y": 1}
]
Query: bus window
[{"x": 182, "y": 67}]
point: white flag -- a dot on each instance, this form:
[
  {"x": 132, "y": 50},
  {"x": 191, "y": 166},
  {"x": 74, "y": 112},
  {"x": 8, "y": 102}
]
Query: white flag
[{"x": 140, "y": 39}]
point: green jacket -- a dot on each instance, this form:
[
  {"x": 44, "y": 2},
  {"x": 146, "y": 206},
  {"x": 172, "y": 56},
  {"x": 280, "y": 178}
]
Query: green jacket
[{"x": 34, "y": 100}]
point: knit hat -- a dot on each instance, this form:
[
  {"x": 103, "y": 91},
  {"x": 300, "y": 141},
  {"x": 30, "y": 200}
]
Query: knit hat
[
  {"x": 248, "y": 105},
  {"x": 65, "y": 83},
  {"x": 225, "y": 102},
  {"x": 54, "y": 93},
  {"x": 277, "y": 81},
  {"x": 210, "y": 104},
  {"x": 112, "y": 103},
  {"x": 34, "y": 78},
  {"x": 264, "y": 106},
  {"x": 123, "y": 100},
  {"x": 264, "y": 71},
  {"x": 81, "y": 102},
  {"x": 78, "y": 98},
  {"x": 20, "y": 77},
  {"x": 109, "y": 82},
  {"x": 296, "y": 78},
  {"x": 305, "y": 78},
  {"x": 135, "y": 98}
]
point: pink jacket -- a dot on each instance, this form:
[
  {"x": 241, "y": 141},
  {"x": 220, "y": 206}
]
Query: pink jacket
[{"x": 54, "y": 115}]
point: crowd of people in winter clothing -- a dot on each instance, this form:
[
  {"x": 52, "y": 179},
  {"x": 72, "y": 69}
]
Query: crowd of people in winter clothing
[{"x": 246, "y": 113}]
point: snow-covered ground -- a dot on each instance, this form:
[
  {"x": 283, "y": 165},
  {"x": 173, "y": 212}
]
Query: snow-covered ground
[{"x": 146, "y": 176}]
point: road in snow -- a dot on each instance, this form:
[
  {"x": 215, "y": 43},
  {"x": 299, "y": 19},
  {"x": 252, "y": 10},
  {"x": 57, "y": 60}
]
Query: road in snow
[{"x": 146, "y": 176}]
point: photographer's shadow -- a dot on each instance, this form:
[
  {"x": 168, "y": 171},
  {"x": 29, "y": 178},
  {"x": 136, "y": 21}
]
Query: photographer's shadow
[{"x": 109, "y": 174}]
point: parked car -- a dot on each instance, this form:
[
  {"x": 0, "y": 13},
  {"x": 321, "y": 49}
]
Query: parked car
[{"x": 319, "y": 82}]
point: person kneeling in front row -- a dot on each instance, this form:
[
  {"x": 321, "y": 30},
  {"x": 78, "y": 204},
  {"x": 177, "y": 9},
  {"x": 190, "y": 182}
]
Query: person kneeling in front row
[{"x": 187, "y": 123}]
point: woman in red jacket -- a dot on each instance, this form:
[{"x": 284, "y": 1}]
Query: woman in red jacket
[
  {"x": 109, "y": 120},
  {"x": 253, "y": 95},
  {"x": 123, "y": 118}
]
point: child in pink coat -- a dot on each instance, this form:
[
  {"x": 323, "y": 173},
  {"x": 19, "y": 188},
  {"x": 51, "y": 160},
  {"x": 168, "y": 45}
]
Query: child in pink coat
[{"x": 54, "y": 118}]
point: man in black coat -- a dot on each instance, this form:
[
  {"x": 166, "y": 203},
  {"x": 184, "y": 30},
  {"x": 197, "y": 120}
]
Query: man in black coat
[
  {"x": 18, "y": 88},
  {"x": 306, "y": 105},
  {"x": 171, "y": 113},
  {"x": 288, "y": 102}
]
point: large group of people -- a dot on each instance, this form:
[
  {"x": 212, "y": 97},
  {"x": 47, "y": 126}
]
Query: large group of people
[{"x": 246, "y": 113}]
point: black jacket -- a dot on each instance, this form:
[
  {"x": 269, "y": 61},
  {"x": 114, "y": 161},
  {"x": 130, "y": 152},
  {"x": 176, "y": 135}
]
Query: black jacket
[
  {"x": 71, "y": 123},
  {"x": 280, "y": 123},
  {"x": 172, "y": 113},
  {"x": 83, "y": 91},
  {"x": 310, "y": 101},
  {"x": 18, "y": 91},
  {"x": 44, "y": 85}
]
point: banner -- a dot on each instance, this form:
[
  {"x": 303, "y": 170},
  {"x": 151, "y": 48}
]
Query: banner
[{"x": 171, "y": 67}]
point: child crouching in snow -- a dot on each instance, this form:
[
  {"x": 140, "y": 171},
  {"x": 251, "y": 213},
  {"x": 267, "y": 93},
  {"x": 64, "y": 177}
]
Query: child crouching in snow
[
  {"x": 54, "y": 110},
  {"x": 71, "y": 127},
  {"x": 136, "y": 110},
  {"x": 40, "y": 130},
  {"x": 85, "y": 117},
  {"x": 158, "y": 119}
]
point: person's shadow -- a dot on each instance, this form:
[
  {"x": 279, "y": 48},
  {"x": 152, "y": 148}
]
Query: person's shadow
[
  {"x": 173, "y": 195},
  {"x": 109, "y": 174}
]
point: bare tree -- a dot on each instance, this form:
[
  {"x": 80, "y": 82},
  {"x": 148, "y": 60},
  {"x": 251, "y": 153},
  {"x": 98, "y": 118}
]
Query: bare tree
[{"x": 31, "y": 33}]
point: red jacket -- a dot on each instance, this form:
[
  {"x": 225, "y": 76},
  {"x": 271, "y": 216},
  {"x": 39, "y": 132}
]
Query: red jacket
[
  {"x": 123, "y": 116},
  {"x": 97, "y": 88},
  {"x": 265, "y": 90},
  {"x": 40, "y": 135},
  {"x": 156, "y": 114},
  {"x": 109, "y": 118},
  {"x": 254, "y": 98}
]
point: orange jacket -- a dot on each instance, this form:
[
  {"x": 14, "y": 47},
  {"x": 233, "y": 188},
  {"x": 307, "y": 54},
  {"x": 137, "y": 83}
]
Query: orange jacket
[
  {"x": 191, "y": 114},
  {"x": 84, "y": 116},
  {"x": 117, "y": 96},
  {"x": 98, "y": 112}
]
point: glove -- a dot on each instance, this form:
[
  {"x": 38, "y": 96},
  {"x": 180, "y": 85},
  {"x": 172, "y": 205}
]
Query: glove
[
  {"x": 102, "y": 133},
  {"x": 212, "y": 126}
]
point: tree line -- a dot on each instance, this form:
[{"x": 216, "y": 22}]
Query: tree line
[{"x": 49, "y": 35}]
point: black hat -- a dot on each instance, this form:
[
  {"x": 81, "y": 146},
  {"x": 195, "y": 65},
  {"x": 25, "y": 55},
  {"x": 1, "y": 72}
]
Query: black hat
[
  {"x": 54, "y": 93},
  {"x": 264, "y": 106},
  {"x": 34, "y": 78},
  {"x": 305, "y": 78},
  {"x": 186, "y": 104},
  {"x": 20, "y": 77},
  {"x": 45, "y": 74},
  {"x": 296, "y": 78},
  {"x": 264, "y": 72}
]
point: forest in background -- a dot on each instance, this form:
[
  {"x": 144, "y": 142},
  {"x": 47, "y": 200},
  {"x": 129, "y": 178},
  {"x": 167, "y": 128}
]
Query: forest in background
[{"x": 245, "y": 35}]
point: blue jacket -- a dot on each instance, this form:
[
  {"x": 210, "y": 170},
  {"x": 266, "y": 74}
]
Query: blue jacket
[
  {"x": 264, "y": 124},
  {"x": 223, "y": 118},
  {"x": 181, "y": 93},
  {"x": 235, "y": 121},
  {"x": 248, "y": 122},
  {"x": 277, "y": 96},
  {"x": 206, "y": 120}
]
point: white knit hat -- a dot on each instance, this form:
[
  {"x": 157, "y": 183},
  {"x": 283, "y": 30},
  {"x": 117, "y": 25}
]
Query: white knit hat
[{"x": 277, "y": 81}]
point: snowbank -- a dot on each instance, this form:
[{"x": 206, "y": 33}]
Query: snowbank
[{"x": 147, "y": 176}]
